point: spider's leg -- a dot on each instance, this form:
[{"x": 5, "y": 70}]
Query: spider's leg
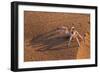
[
  {"x": 70, "y": 40},
  {"x": 78, "y": 41},
  {"x": 80, "y": 36}
]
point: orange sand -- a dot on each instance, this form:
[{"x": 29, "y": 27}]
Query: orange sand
[{"x": 42, "y": 42}]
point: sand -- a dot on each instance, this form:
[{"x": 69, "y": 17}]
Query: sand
[{"x": 42, "y": 42}]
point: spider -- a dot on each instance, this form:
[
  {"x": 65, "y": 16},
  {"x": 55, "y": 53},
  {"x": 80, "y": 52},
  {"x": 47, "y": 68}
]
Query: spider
[{"x": 72, "y": 34}]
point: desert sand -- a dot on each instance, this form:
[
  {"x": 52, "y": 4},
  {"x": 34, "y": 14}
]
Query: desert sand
[{"x": 42, "y": 42}]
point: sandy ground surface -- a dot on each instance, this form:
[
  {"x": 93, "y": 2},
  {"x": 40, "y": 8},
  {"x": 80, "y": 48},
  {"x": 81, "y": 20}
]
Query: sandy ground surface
[{"x": 42, "y": 41}]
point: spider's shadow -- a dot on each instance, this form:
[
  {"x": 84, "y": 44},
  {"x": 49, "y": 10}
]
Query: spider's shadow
[{"x": 50, "y": 40}]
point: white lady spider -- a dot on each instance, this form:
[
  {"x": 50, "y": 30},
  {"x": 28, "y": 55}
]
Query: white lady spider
[{"x": 73, "y": 34}]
